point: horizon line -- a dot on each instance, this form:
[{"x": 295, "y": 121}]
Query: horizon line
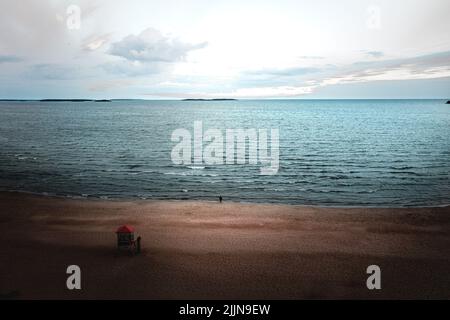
[{"x": 200, "y": 99}]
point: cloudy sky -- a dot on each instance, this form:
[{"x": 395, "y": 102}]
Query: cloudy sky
[{"x": 238, "y": 49}]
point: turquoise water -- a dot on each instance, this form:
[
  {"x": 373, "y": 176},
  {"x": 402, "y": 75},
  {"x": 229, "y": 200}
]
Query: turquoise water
[{"x": 334, "y": 153}]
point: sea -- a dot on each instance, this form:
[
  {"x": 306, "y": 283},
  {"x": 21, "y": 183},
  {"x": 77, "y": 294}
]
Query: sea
[{"x": 350, "y": 153}]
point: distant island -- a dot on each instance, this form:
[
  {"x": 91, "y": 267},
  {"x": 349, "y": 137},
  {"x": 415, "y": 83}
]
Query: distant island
[
  {"x": 218, "y": 99},
  {"x": 74, "y": 100}
]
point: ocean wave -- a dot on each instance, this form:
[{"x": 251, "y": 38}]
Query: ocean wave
[
  {"x": 196, "y": 167},
  {"x": 401, "y": 167},
  {"x": 184, "y": 173}
]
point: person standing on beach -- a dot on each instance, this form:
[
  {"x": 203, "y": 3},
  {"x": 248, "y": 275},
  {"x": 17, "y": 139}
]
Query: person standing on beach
[
  {"x": 138, "y": 245},
  {"x": 220, "y": 199}
]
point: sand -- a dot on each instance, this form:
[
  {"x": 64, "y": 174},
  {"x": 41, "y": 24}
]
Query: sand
[{"x": 207, "y": 250}]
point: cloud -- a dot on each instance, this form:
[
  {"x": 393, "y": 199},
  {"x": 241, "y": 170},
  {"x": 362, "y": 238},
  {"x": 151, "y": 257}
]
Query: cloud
[
  {"x": 36, "y": 44},
  {"x": 421, "y": 67},
  {"x": 152, "y": 46},
  {"x": 406, "y": 72},
  {"x": 38, "y": 29},
  {"x": 296, "y": 71},
  {"x": 260, "y": 92},
  {"x": 279, "y": 77},
  {"x": 106, "y": 85},
  {"x": 135, "y": 68},
  {"x": 46, "y": 71},
  {"x": 375, "y": 54},
  {"x": 424, "y": 67},
  {"x": 269, "y": 92},
  {"x": 95, "y": 42},
  {"x": 9, "y": 59},
  {"x": 150, "y": 52},
  {"x": 311, "y": 57},
  {"x": 431, "y": 66}
]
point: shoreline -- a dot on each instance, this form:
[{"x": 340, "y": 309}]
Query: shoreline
[
  {"x": 138, "y": 199},
  {"x": 208, "y": 250}
]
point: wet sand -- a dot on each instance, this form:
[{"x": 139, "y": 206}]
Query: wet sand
[{"x": 207, "y": 250}]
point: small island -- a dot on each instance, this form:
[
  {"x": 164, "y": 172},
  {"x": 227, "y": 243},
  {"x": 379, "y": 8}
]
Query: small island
[
  {"x": 74, "y": 100},
  {"x": 217, "y": 99}
]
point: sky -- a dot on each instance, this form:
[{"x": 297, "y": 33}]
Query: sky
[{"x": 283, "y": 49}]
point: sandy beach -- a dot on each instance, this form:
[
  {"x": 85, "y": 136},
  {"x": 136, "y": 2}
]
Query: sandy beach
[{"x": 207, "y": 250}]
